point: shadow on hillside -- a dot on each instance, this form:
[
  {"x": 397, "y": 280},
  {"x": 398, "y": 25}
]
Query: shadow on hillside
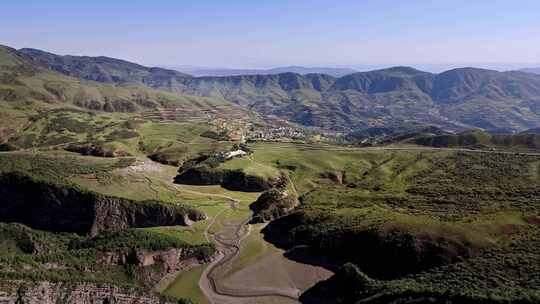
[{"x": 304, "y": 255}]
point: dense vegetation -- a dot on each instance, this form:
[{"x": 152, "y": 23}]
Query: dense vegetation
[
  {"x": 272, "y": 204},
  {"x": 449, "y": 226},
  {"x": 28, "y": 254},
  {"x": 478, "y": 139},
  {"x": 58, "y": 168}
]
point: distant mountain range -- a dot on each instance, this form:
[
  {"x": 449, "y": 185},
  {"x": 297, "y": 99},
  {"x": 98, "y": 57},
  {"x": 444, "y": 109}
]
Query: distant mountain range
[
  {"x": 454, "y": 100},
  {"x": 531, "y": 70},
  {"x": 198, "y": 72}
]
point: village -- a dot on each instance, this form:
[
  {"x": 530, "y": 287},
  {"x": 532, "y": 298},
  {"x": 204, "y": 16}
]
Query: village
[{"x": 239, "y": 130}]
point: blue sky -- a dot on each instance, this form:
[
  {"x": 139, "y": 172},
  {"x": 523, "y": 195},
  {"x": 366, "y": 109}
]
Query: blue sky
[{"x": 275, "y": 33}]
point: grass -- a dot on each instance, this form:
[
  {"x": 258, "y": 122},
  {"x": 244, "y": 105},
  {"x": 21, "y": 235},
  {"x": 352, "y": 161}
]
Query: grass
[
  {"x": 58, "y": 167},
  {"x": 251, "y": 167},
  {"x": 186, "y": 286},
  {"x": 192, "y": 235}
]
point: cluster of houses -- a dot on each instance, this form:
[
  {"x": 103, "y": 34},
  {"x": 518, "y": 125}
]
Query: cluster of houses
[
  {"x": 276, "y": 133},
  {"x": 241, "y": 130}
]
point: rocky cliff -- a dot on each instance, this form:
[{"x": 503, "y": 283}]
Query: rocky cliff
[
  {"x": 45, "y": 267},
  {"x": 14, "y": 292},
  {"x": 153, "y": 265},
  {"x": 272, "y": 204},
  {"x": 235, "y": 180},
  {"x": 48, "y": 206}
]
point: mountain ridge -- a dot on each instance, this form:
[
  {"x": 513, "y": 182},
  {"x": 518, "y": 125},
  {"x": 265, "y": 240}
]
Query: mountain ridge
[
  {"x": 104, "y": 69},
  {"x": 456, "y": 99},
  {"x": 531, "y": 70},
  {"x": 220, "y": 72}
]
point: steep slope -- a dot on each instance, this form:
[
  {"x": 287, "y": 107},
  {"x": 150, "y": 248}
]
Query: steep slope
[
  {"x": 43, "y": 205},
  {"x": 383, "y": 81},
  {"x": 108, "y": 70},
  {"x": 479, "y": 139},
  {"x": 489, "y": 99}
]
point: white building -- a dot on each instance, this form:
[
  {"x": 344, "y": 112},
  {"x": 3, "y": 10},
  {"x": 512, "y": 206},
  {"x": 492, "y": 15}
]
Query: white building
[{"x": 236, "y": 153}]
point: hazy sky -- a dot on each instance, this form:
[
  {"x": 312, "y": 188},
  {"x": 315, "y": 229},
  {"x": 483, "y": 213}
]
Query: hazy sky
[{"x": 258, "y": 33}]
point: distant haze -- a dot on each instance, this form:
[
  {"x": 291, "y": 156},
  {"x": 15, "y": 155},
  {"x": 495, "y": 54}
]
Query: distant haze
[
  {"x": 200, "y": 71},
  {"x": 532, "y": 70},
  {"x": 339, "y": 71},
  {"x": 429, "y": 35}
]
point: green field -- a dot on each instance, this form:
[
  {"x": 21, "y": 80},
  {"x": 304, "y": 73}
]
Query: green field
[{"x": 186, "y": 286}]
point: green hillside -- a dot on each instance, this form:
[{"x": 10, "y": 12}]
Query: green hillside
[
  {"x": 415, "y": 224},
  {"x": 42, "y": 108},
  {"x": 108, "y": 70},
  {"x": 479, "y": 139}
]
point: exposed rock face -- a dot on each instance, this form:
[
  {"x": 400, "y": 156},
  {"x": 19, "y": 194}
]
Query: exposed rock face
[
  {"x": 335, "y": 176},
  {"x": 235, "y": 180},
  {"x": 173, "y": 259},
  {"x": 96, "y": 150},
  {"x": 200, "y": 176},
  {"x": 271, "y": 205},
  {"x": 47, "y": 206},
  {"x": 5, "y": 133},
  {"x": 13, "y": 292},
  {"x": 152, "y": 266}
]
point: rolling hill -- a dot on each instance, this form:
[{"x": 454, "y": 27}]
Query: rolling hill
[
  {"x": 479, "y": 139},
  {"x": 43, "y": 108}
]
